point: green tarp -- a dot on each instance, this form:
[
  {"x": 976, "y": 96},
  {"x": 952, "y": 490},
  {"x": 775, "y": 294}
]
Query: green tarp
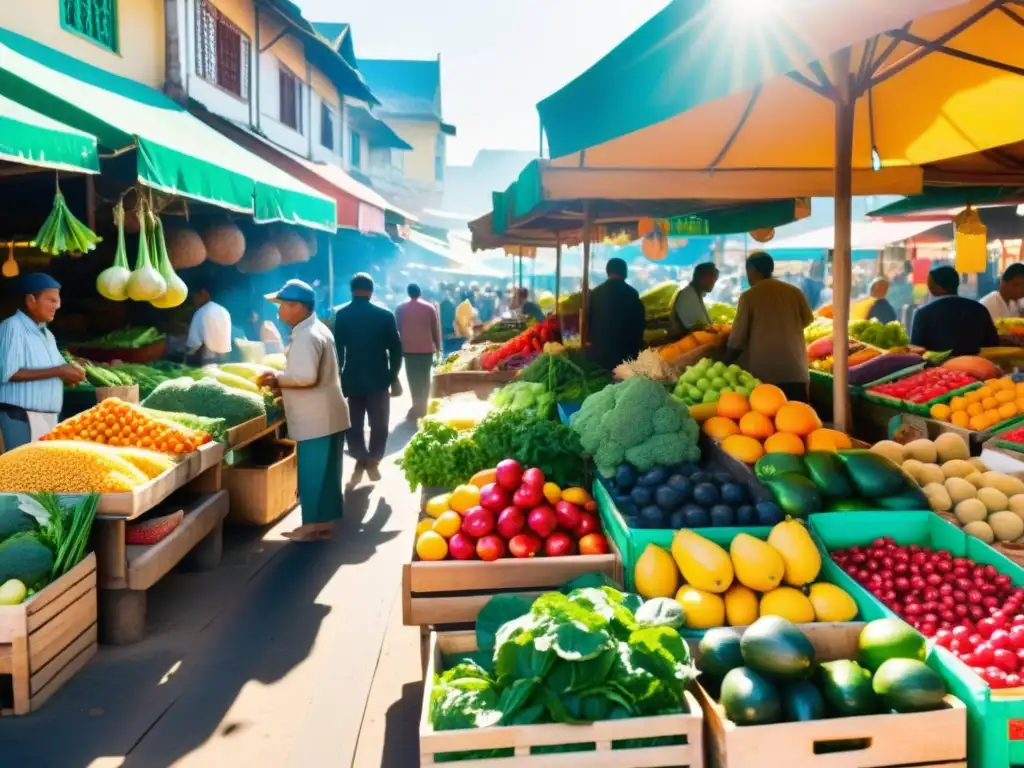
[
  {"x": 176, "y": 152},
  {"x": 944, "y": 198},
  {"x": 30, "y": 138}
]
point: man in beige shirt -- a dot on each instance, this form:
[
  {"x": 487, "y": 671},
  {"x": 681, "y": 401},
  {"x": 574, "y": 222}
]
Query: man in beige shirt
[
  {"x": 315, "y": 410},
  {"x": 768, "y": 334}
]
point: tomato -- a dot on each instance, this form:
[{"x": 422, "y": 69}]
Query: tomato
[
  {"x": 1005, "y": 660},
  {"x": 593, "y": 544}
]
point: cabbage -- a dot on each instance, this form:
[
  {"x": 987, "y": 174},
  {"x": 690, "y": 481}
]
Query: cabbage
[
  {"x": 112, "y": 282},
  {"x": 145, "y": 283},
  {"x": 177, "y": 291}
]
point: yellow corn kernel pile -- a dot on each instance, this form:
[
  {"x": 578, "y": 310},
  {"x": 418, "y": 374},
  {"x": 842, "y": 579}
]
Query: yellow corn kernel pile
[
  {"x": 117, "y": 423},
  {"x": 150, "y": 463},
  {"x": 66, "y": 467}
]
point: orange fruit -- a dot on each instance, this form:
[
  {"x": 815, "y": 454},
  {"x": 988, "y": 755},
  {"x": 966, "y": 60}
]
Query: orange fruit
[
  {"x": 978, "y": 423},
  {"x": 743, "y": 448},
  {"x": 984, "y": 391},
  {"x": 830, "y": 440},
  {"x": 972, "y": 397},
  {"x": 798, "y": 418},
  {"x": 767, "y": 399},
  {"x": 989, "y": 404},
  {"x": 448, "y": 524},
  {"x": 719, "y": 427},
  {"x": 784, "y": 442},
  {"x": 960, "y": 419},
  {"x": 975, "y": 409},
  {"x": 1006, "y": 396},
  {"x": 431, "y": 546},
  {"x": 958, "y": 404},
  {"x": 423, "y": 526},
  {"x": 733, "y": 405},
  {"x": 1007, "y": 411},
  {"x": 757, "y": 425},
  {"x": 941, "y": 412}
]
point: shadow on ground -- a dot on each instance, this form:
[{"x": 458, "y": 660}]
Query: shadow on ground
[{"x": 401, "y": 743}]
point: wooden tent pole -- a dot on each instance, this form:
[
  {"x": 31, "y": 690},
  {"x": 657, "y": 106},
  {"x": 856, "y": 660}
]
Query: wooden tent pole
[
  {"x": 585, "y": 288},
  {"x": 844, "y": 106},
  {"x": 330, "y": 270},
  {"x": 90, "y": 202},
  {"x": 558, "y": 279}
]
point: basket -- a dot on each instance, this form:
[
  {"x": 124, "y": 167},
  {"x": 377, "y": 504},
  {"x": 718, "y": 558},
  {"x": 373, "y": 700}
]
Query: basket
[
  {"x": 262, "y": 492},
  {"x": 139, "y": 356},
  {"x": 153, "y": 530}
]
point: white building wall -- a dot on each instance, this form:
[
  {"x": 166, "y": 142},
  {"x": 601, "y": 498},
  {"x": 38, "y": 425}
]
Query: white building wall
[{"x": 270, "y": 108}]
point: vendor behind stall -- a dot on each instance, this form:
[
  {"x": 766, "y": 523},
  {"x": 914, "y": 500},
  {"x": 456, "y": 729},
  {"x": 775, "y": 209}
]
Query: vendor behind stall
[
  {"x": 951, "y": 322},
  {"x": 209, "y": 333},
  {"x": 689, "y": 311},
  {"x": 33, "y": 372},
  {"x": 1005, "y": 300}
]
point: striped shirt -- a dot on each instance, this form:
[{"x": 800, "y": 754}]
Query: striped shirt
[{"x": 23, "y": 344}]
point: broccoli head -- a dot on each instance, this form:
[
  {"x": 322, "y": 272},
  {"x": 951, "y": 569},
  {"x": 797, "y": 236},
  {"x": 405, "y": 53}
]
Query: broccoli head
[
  {"x": 667, "y": 420},
  {"x": 663, "y": 450},
  {"x": 609, "y": 455}
]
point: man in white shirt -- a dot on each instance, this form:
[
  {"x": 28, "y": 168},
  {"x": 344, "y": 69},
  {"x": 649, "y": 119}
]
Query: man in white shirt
[
  {"x": 689, "y": 310},
  {"x": 209, "y": 334},
  {"x": 1005, "y": 302}
]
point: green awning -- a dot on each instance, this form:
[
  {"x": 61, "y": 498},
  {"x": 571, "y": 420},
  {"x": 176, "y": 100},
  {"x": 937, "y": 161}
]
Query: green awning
[
  {"x": 176, "y": 153},
  {"x": 944, "y": 198},
  {"x": 29, "y": 138}
]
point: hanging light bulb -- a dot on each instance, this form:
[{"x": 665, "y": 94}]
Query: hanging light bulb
[
  {"x": 876, "y": 159},
  {"x": 10, "y": 267}
]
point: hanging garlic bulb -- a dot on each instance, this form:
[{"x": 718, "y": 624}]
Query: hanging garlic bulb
[
  {"x": 145, "y": 283},
  {"x": 112, "y": 282},
  {"x": 10, "y": 267},
  {"x": 177, "y": 291}
]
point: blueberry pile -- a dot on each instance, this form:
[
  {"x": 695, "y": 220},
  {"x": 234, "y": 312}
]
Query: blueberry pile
[{"x": 687, "y": 496}]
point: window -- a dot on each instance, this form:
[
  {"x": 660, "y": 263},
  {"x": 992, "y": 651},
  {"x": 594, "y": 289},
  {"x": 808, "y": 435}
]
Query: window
[
  {"x": 439, "y": 157},
  {"x": 291, "y": 98},
  {"x": 327, "y": 123},
  {"x": 222, "y": 51},
  {"x": 356, "y": 156},
  {"x": 94, "y": 19}
]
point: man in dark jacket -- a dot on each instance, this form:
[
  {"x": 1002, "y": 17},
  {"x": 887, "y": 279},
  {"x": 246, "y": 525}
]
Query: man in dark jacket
[
  {"x": 615, "y": 319},
  {"x": 951, "y": 322},
  {"x": 370, "y": 357}
]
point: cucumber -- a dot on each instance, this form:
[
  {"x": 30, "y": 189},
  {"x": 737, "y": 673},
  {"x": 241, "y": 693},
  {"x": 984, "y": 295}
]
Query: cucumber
[
  {"x": 827, "y": 473},
  {"x": 802, "y": 701},
  {"x": 750, "y": 699},
  {"x": 775, "y": 647},
  {"x": 846, "y": 688},
  {"x": 908, "y": 685}
]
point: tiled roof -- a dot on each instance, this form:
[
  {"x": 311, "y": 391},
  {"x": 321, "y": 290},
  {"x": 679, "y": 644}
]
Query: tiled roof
[
  {"x": 339, "y": 35},
  {"x": 405, "y": 88}
]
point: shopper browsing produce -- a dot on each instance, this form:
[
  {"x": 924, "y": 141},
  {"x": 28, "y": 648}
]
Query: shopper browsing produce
[
  {"x": 768, "y": 335},
  {"x": 209, "y": 333},
  {"x": 952, "y": 322},
  {"x": 315, "y": 408},
  {"x": 33, "y": 372},
  {"x": 615, "y": 319}
]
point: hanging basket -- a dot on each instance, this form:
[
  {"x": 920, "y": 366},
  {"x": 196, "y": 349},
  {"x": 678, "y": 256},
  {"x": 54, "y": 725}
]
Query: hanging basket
[{"x": 225, "y": 243}]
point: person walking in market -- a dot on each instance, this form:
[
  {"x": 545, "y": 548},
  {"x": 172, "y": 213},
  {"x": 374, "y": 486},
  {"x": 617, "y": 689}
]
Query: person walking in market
[
  {"x": 370, "y": 355},
  {"x": 615, "y": 319},
  {"x": 767, "y": 335},
  {"x": 32, "y": 372},
  {"x": 315, "y": 410},
  {"x": 951, "y": 322},
  {"x": 420, "y": 330}
]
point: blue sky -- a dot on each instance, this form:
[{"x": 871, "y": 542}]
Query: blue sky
[{"x": 498, "y": 58}]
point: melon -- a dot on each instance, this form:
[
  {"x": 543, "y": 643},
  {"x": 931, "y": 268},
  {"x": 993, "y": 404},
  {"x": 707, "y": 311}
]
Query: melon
[
  {"x": 951, "y": 446},
  {"x": 960, "y": 490},
  {"x": 970, "y": 511},
  {"x": 980, "y": 530},
  {"x": 957, "y": 468},
  {"x": 1006, "y": 526},
  {"x": 1008, "y": 484},
  {"x": 930, "y": 473},
  {"x": 1016, "y": 505},
  {"x": 922, "y": 450},
  {"x": 938, "y": 497},
  {"x": 993, "y": 499},
  {"x": 890, "y": 449},
  {"x": 975, "y": 479}
]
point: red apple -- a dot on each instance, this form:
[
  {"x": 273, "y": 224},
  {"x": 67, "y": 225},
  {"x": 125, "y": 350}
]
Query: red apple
[
  {"x": 477, "y": 522},
  {"x": 462, "y": 547},
  {"x": 528, "y": 496},
  {"x": 511, "y": 521},
  {"x": 588, "y": 524},
  {"x": 559, "y": 545},
  {"x": 524, "y": 545},
  {"x": 568, "y": 515},
  {"x": 509, "y": 474},
  {"x": 533, "y": 477},
  {"x": 490, "y": 547},
  {"x": 493, "y": 497},
  {"x": 542, "y": 521}
]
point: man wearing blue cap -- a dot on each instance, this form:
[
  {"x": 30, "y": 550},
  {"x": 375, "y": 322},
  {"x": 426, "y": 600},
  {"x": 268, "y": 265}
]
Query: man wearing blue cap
[
  {"x": 315, "y": 409},
  {"x": 32, "y": 371}
]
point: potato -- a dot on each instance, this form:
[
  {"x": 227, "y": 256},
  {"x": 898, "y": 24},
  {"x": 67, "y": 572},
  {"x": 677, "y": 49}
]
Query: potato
[
  {"x": 957, "y": 468},
  {"x": 949, "y": 446},
  {"x": 891, "y": 449},
  {"x": 913, "y": 468},
  {"x": 1016, "y": 505},
  {"x": 1008, "y": 484},
  {"x": 993, "y": 499},
  {"x": 980, "y": 530},
  {"x": 938, "y": 497},
  {"x": 929, "y": 474},
  {"x": 1006, "y": 526},
  {"x": 922, "y": 450},
  {"x": 960, "y": 490},
  {"x": 975, "y": 479},
  {"x": 977, "y": 463}
]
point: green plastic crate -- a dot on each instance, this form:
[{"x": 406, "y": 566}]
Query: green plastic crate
[
  {"x": 995, "y": 725},
  {"x": 920, "y": 409}
]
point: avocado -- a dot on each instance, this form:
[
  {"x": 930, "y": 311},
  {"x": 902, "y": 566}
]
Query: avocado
[
  {"x": 795, "y": 494},
  {"x": 908, "y": 685},
  {"x": 778, "y": 464},
  {"x": 706, "y": 494},
  {"x": 24, "y": 557},
  {"x": 769, "y": 513},
  {"x": 827, "y": 473},
  {"x": 802, "y": 701},
  {"x": 653, "y": 478},
  {"x": 775, "y": 647},
  {"x": 885, "y": 639},
  {"x": 873, "y": 475},
  {"x": 749, "y": 698},
  {"x": 846, "y": 688},
  {"x": 734, "y": 494},
  {"x": 719, "y": 652},
  {"x": 722, "y": 516},
  {"x": 746, "y": 516},
  {"x": 625, "y": 478}
]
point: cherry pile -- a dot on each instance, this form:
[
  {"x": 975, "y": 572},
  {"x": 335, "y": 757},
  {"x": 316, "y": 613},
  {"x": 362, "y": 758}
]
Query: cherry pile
[{"x": 970, "y": 609}]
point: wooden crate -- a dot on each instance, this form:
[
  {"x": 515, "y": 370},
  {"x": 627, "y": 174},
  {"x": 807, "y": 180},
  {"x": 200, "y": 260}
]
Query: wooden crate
[
  {"x": 452, "y": 592},
  {"x": 935, "y": 739},
  {"x": 480, "y": 383},
  {"x": 261, "y": 495},
  {"x": 522, "y": 738},
  {"x": 246, "y": 432},
  {"x": 143, "y": 498},
  {"x": 48, "y": 638}
]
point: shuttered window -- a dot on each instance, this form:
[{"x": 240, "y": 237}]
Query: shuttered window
[
  {"x": 327, "y": 123},
  {"x": 291, "y": 99},
  {"x": 95, "y": 19},
  {"x": 223, "y": 51}
]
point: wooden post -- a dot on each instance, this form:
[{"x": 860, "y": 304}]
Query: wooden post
[
  {"x": 330, "y": 271},
  {"x": 841, "y": 269},
  {"x": 558, "y": 279},
  {"x": 90, "y": 202},
  {"x": 585, "y": 288}
]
